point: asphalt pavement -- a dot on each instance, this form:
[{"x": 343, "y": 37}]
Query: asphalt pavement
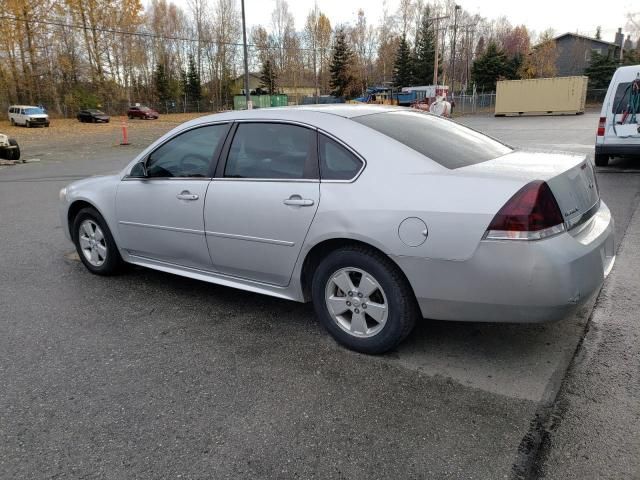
[{"x": 150, "y": 375}]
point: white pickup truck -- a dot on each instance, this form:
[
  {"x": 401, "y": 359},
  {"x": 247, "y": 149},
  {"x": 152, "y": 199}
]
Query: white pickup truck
[{"x": 9, "y": 149}]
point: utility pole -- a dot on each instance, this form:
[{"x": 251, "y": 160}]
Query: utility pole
[
  {"x": 246, "y": 59},
  {"x": 453, "y": 55},
  {"x": 435, "y": 47}
]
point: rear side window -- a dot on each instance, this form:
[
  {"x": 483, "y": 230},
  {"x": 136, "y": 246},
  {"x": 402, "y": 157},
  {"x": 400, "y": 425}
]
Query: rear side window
[
  {"x": 336, "y": 162},
  {"x": 445, "y": 142},
  {"x": 621, "y": 99},
  {"x": 272, "y": 150}
]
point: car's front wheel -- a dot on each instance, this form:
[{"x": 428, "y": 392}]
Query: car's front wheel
[
  {"x": 14, "y": 153},
  {"x": 363, "y": 299},
  {"x": 95, "y": 244}
]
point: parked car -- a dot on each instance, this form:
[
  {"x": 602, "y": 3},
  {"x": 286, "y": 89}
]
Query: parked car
[
  {"x": 93, "y": 116},
  {"x": 379, "y": 215},
  {"x": 619, "y": 124},
  {"x": 28, "y": 115},
  {"x": 9, "y": 149},
  {"x": 143, "y": 112}
]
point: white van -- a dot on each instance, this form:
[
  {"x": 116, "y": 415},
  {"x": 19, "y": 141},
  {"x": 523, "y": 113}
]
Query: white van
[
  {"x": 28, "y": 115},
  {"x": 619, "y": 125}
]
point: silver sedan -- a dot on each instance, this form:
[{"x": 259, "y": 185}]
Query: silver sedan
[{"x": 378, "y": 215}]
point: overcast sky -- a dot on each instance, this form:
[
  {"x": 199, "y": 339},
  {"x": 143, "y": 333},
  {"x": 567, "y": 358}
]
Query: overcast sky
[{"x": 538, "y": 15}]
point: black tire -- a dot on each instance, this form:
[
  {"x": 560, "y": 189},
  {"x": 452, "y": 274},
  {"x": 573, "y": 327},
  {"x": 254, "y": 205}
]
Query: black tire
[
  {"x": 14, "y": 153},
  {"x": 113, "y": 262},
  {"x": 13, "y": 122},
  {"x": 402, "y": 307},
  {"x": 27, "y": 124},
  {"x": 130, "y": 117},
  {"x": 601, "y": 160}
]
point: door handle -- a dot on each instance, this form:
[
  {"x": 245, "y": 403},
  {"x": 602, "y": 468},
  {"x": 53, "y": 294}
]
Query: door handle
[
  {"x": 298, "y": 201},
  {"x": 187, "y": 195}
]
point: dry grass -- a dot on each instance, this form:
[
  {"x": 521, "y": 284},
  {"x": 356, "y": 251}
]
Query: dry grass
[{"x": 72, "y": 132}]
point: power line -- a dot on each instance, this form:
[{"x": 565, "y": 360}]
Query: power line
[{"x": 148, "y": 34}]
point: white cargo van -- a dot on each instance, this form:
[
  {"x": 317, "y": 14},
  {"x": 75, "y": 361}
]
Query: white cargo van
[
  {"x": 619, "y": 126},
  {"x": 28, "y": 115}
]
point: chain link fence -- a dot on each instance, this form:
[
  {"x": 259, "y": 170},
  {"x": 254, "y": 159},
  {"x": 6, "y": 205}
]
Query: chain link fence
[{"x": 464, "y": 104}]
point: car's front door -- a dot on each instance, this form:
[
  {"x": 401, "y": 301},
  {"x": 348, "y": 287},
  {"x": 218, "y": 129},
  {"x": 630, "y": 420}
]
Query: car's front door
[
  {"x": 261, "y": 204},
  {"x": 160, "y": 217}
]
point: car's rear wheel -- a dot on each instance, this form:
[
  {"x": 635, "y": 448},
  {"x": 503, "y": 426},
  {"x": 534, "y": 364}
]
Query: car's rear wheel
[
  {"x": 13, "y": 122},
  {"x": 363, "y": 299},
  {"x": 94, "y": 243},
  {"x": 602, "y": 160},
  {"x": 14, "y": 153}
]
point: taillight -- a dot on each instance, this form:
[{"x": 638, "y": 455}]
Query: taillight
[
  {"x": 601, "y": 125},
  {"x": 531, "y": 214}
]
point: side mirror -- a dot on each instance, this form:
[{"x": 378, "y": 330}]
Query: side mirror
[{"x": 139, "y": 170}]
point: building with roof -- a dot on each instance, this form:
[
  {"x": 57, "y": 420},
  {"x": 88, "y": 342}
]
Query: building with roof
[{"x": 575, "y": 51}]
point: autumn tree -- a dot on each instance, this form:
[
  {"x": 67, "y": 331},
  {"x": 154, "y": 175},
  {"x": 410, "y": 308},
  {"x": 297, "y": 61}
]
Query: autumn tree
[
  {"x": 363, "y": 39},
  {"x": 340, "y": 67},
  {"x": 541, "y": 62}
]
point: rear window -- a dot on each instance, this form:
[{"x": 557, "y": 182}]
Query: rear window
[
  {"x": 443, "y": 141},
  {"x": 621, "y": 99}
]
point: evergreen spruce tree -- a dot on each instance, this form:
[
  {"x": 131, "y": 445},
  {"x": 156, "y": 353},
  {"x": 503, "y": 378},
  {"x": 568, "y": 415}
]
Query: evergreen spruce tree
[
  {"x": 600, "y": 70},
  {"x": 490, "y": 67},
  {"x": 425, "y": 52},
  {"x": 268, "y": 80},
  {"x": 403, "y": 68},
  {"x": 161, "y": 83},
  {"x": 194, "y": 87},
  {"x": 340, "y": 66}
]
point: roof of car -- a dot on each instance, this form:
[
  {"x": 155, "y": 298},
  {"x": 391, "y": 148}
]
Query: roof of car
[
  {"x": 24, "y": 106},
  {"x": 305, "y": 113}
]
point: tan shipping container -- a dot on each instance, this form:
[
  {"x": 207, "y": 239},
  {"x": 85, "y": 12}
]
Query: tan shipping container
[{"x": 541, "y": 96}]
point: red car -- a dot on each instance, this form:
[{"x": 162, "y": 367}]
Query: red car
[{"x": 142, "y": 112}]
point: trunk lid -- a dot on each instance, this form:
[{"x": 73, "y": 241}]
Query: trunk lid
[{"x": 571, "y": 178}]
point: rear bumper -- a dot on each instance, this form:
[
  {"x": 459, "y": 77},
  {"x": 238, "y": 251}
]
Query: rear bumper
[
  {"x": 517, "y": 282},
  {"x": 618, "y": 149}
]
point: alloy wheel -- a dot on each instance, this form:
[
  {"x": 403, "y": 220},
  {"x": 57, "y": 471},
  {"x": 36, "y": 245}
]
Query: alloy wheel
[
  {"x": 356, "y": 302},
  {"x": 92, "y": 243}
]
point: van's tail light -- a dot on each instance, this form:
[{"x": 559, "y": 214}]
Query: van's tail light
[
  {"x": 601, "y": 124},
  {"x": 531, "y": 214}
]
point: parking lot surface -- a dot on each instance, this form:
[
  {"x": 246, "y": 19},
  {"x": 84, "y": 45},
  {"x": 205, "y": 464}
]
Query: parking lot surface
[{"x": 151, "y": 375}]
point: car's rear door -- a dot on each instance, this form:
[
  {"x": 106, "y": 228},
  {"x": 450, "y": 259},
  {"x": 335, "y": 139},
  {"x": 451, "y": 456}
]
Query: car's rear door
[
  {"x": 261, "y": 204},
  {"x": 161, "y": 217}
]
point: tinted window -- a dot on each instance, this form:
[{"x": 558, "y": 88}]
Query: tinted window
[
  {"x": 270, "y": 150},
  {"x": 621, "y": 99},
  {"x": 187, "y": 155},
  {"x": 443, "y": 141},
  {"x": 336, "y": 162},
  {"x": 34, "y": 111}
]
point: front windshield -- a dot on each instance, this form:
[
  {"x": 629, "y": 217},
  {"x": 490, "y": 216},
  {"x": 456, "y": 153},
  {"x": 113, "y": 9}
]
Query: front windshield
[
  {"x": 97, "y": 112},
  {"x": 34, "y": 111}
]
